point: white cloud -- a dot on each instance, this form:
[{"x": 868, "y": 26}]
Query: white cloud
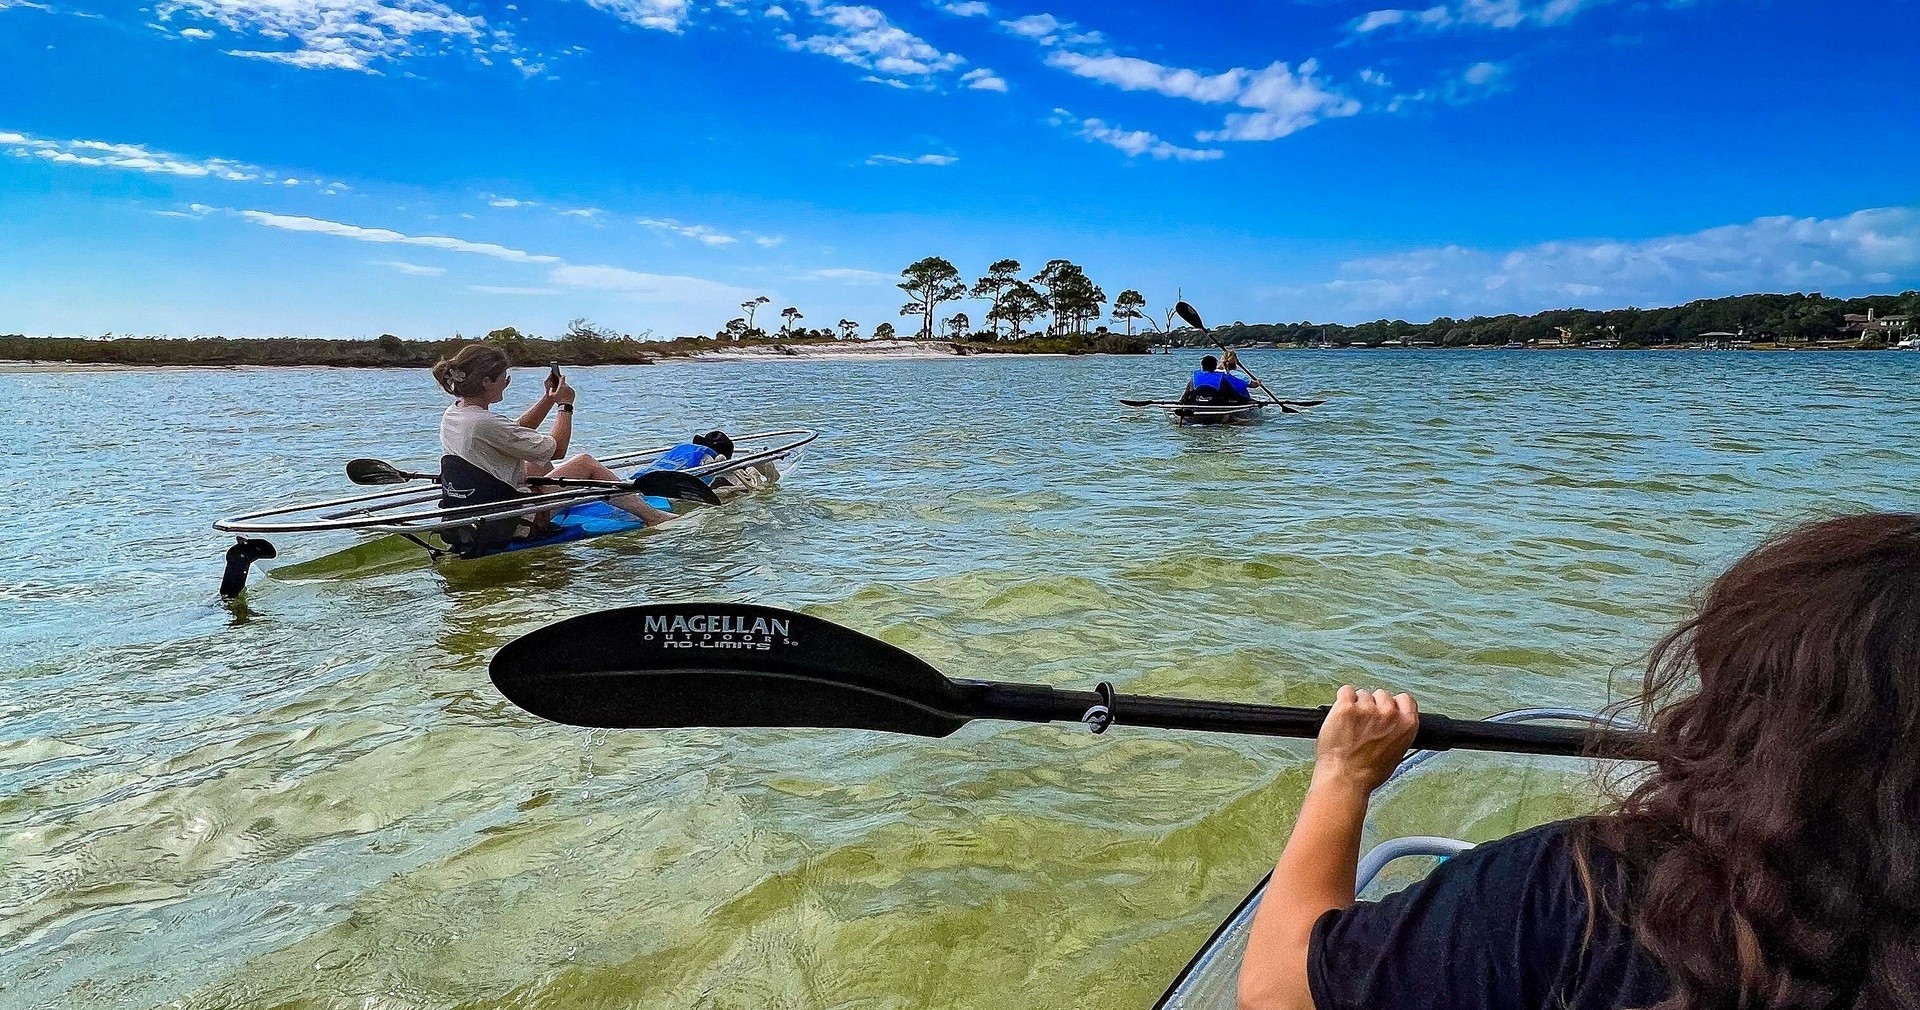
[
  {"x": 778, "y": 12},
  {"x": 645, "y": 286},
  {"x": 660, "y": 15},
  {"x": 561, "y": 275},
  {"x": 383, "y": 235},
  {"x": 132, "y": 157},
  {"x": 982, "y": 79},
  {"x": 1494, "y": 14},
  {"x": 504, "y": 202},
  {"x": 28, "y": 4},
  {"x": 697, "y": 232},
  {"x": 1048, "y": 30},
  {"x": 1130, "y": 74},
  {"x": 966, "y": 9},
  {"x": 922, "y": 159},
  {"x": 1471, "y": 84},
  {"x": 1875, "y": 247},
  {"x": 849, "y": 275},
  {"x": 495, "y": 289},
  {"x": 411, "y": 269},
  {"x": 768, "y": 241},
  {"x": 863, "y": 37},
  {"x": 1285, "y": 102},
  {"x": 1134, "y": 142},
  {"x": 195, "y": 33},
  {"x": 334, "y": 34},
  {"x": 1281, "y": 100}
]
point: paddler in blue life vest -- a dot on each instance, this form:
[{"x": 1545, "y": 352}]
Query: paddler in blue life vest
[{"x": 1213, "y": 384}]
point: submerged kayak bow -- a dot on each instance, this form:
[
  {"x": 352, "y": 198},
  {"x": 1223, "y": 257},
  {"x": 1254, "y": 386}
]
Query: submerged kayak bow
[{"x": 737, "y": 665}]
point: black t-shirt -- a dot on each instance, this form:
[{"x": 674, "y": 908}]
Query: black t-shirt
[{"x": 1499, "y": 927}]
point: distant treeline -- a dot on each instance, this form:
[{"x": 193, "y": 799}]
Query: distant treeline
[
  {"x": 582, "y": 344},
  {"x": 1791, "y": 319}
]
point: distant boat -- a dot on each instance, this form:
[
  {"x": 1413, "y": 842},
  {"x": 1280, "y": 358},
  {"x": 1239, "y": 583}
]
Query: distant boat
[{"x": 1909, "y": 344}]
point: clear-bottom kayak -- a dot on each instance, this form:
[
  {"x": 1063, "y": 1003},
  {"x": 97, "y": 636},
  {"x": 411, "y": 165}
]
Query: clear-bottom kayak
[{"x": 412, "y": 520}]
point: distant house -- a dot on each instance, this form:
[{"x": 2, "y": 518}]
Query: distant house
[
  {"x": 1870, "y": 325},
  {"x": 1719, "y": 340}
]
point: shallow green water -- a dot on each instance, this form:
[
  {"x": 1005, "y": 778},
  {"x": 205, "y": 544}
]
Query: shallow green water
[{"x": 322, "y": 802}]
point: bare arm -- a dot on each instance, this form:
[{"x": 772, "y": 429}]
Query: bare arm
[
  {"x": 538, "y": 412},
  {"x": 1364, "y": 737},
  {"x": 562, "y": 430}
]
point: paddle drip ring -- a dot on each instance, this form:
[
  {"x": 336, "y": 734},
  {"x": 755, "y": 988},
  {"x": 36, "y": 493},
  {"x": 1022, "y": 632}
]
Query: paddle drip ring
[{"x": 1100, "y": 716}]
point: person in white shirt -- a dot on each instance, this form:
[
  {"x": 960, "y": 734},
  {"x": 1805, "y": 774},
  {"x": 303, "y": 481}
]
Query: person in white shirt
[{"x": 512, "y": 451}]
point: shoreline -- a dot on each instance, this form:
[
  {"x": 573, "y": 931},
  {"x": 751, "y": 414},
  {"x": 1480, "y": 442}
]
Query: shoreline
[
  {"x": 881, "y": 350},
  {"x": 893, "y": 350}
]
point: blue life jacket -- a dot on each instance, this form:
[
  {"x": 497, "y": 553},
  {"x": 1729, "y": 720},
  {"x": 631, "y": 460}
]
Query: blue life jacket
[
  {"x": 684, "y": 456},
  {"x": 1220, "y": 382}
]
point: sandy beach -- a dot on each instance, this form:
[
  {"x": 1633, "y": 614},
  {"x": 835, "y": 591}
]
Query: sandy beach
[{"x": 864, "y": 349}]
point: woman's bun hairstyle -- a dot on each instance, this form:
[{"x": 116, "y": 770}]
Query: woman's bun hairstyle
[{"x": 469, "y": 369}]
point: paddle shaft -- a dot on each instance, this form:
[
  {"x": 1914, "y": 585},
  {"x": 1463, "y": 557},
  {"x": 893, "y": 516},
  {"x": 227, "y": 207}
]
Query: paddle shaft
[
  {"x": 1039, "y": 703},
  {"x": 611, "y": 485}
]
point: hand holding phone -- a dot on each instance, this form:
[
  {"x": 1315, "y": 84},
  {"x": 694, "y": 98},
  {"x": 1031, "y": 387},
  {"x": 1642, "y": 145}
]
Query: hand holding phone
[{"x": 553, "y": 376}]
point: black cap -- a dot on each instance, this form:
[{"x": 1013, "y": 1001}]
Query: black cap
[{"x": 717, "y": 441}]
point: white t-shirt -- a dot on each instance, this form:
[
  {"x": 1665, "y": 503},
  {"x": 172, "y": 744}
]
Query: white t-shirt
[{"x": 493, "y": 443}]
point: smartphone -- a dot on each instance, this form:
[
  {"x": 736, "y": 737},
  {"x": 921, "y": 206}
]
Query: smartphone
[{"x": 553, "y": 375}]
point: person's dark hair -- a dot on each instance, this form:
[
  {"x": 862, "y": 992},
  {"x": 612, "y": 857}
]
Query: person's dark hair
[
  {"x": 717, "y": 441},
  {"x": 467, "y": 370},
  {"x": 1209, "y": 363},
  {"x": 1772, "y": 857}
]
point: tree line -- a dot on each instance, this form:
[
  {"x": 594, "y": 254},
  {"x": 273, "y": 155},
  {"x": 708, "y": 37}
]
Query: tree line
[
  {"x": 1762, "y": 318},
  {"x": 1783, "y": 318},
  {"x": 1061, "y": 293}
]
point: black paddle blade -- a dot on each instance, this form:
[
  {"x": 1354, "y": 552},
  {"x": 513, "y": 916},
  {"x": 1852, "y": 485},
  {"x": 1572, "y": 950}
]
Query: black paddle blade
[
  {"x": 373, "y": 471},
  {"x": 722, "y": 664},
  {"x": 674, "y": 484},
  {"x": 240, "y": 557},
  {"x": 1188, "y": 313}
]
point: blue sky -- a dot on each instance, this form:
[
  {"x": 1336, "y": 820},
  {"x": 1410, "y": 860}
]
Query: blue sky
[{"x": 352, "y": 167}]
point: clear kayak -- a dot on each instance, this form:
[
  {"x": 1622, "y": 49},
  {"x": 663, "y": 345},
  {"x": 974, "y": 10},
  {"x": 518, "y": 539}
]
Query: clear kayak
[
  {"x": 414, "y": 514},
  {"x": 1205, "y": 413},
  {"x": 1210, "y": 981}
]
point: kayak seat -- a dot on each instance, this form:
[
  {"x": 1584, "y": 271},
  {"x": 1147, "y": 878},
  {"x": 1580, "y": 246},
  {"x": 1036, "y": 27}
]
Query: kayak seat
[{"x": 463, "y": 484}]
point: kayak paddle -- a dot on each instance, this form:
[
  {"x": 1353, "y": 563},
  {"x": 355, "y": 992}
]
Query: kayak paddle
[
  {"x": 674, "y": 484},
  {"x": 373, "y": 471},
  {"x": 240, "y": 557},
  {"x": 659, "y": 483},
  {"x": 726, "y": 664},
  {"x": 1286, "y": 406},
  {"x": 1192, "y": 317}
]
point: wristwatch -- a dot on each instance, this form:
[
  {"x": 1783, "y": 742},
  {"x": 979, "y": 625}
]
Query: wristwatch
[{"x": 567, "y": 407}]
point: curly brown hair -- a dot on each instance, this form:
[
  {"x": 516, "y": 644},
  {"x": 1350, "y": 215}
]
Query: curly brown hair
[
  {"x": 465, "y": 372},
  {"x": 1771, "y": 859}
]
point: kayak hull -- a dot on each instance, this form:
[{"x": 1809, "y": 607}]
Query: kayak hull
[{"x": 1205, "y": 413}]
